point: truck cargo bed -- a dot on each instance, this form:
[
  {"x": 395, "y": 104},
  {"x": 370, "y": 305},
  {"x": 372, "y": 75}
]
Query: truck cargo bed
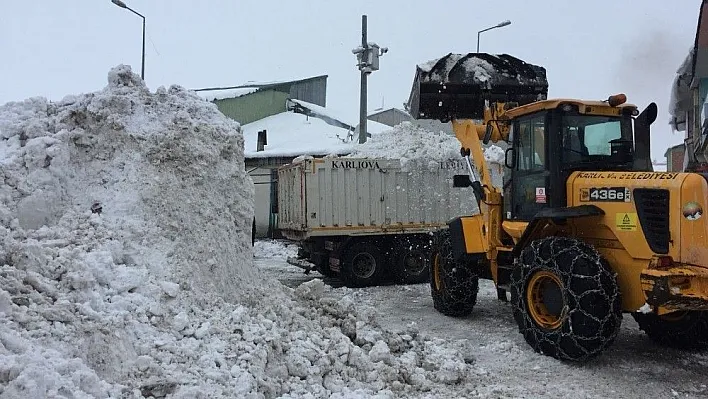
[{"x": 359, "y": 196}]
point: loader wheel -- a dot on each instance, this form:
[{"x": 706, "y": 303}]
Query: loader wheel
[
  {"x": 411, "y": 259},
  {"x": 362, "y": 265},
  {"x": 565, "y": 299},
  {"x": 453, "y": 284},
  {"x": 681, "y": 330}
]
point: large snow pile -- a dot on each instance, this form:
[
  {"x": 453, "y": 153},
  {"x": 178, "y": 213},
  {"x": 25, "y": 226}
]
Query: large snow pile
[
  {"x": 126, "y": 267},
  {"x": 417, "y": 147},
  {"x": 408, "y": 142}
]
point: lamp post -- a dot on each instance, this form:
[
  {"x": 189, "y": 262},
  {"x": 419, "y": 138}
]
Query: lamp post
[
  {"x": 121, "y": 4},
  {"x": 499, "y": 25}
]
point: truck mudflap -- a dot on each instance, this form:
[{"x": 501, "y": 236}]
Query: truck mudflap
[{"x": 679, "y": 288}]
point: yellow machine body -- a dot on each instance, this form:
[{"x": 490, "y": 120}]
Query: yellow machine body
[{"x": 674, "y": 280}]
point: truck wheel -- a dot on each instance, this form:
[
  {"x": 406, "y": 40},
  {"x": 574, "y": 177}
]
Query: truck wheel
[
  {"x": 362, "y": 265},
  {"x": 453, "y": 284},
  {"x": 682, "y": 330},
  {"x": 411, "y": 259},
  {"x": 565, "y": 299}
]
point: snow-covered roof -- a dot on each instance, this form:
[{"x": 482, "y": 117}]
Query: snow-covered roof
[
  {"x": 372, "y": 127},
  {"x": 293, "y": 134},
  {"x": 328, "y": 115},
  {"x": 392, "y": 109},
  {"x": 220, "y": 93}
]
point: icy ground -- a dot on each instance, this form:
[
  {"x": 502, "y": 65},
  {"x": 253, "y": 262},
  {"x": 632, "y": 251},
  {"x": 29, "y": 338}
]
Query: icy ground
[{"x": 499, "y": 362}]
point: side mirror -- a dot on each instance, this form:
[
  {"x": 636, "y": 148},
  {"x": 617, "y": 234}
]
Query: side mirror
[
  {"x": 507, "y": 163},
  {"x": 488, "y": 133},
  {"x": 461, "y": 181}
]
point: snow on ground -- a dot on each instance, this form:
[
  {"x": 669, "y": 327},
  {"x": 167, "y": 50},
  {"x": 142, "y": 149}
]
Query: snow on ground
[
  {"x": 127, "y": 270},
  {"x": 274, "y": 249},
  {"x": 500, "y": 363}
]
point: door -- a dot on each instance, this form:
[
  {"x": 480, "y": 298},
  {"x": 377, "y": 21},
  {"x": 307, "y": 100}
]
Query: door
[{"x": 530, "y": 174}]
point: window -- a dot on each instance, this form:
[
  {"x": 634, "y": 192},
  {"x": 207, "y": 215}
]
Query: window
[
  {"x": 599, "y": 135},
  {"x": 589, "y": 135},
  {"x": 532, "y": 143}
]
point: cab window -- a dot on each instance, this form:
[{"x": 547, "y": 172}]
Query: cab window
[{"x": 532, "y": 143}]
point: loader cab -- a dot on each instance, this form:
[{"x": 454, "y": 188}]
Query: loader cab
[{"x": 548, "y": 144}]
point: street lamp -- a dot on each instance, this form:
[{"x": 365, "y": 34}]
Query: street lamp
[
  {"x": 499, "y": 25},
  {"x": 120, "y": 4}
]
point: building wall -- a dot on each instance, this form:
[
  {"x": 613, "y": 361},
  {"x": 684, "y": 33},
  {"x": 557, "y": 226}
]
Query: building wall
[
  {"x": 262, "y": 200},
  {"x": 313, "y": 91},
  {"x": 434, "y": 125},
  {"x": 254, "y": 106},
  {"x": 263, "y": 171},
  {"x": 390, "y": 117},
  {"x": 674, "y": 159}
]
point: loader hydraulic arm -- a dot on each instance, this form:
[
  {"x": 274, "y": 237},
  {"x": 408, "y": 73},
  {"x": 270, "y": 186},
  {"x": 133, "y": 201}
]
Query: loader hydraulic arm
[{"x": 471, "y": 134}]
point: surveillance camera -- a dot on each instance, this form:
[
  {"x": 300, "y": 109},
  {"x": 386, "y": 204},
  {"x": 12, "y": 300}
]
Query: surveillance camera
[{"x": 384, "y": 50}]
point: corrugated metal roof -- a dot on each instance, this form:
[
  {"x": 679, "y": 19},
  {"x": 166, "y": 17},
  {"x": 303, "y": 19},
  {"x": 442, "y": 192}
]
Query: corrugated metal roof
[
  {"x": 262, "y": 85},
  {"x": 220, "y": 93}
]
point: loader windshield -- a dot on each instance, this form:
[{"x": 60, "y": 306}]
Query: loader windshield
[{"x": 595, "y": 138}]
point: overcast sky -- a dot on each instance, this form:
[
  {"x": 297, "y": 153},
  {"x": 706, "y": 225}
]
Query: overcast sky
[{"x": 590, "y": 49}]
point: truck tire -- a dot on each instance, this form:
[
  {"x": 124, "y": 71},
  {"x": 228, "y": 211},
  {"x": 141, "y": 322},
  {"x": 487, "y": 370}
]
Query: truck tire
[
  {"x": 565, "y": 299},
  {"x": 681, "y": 330},
  {"x": 411, "y": 260},
  {"x": 362, "y": 264},
  {"x": 453, "y": 284}
]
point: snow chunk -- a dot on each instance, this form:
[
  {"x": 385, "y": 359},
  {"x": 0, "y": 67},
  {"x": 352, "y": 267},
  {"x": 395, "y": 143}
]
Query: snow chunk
[
  {"x": 171, "y": 289},
  {"x": 646, "y": 308},
  {"x": 494, "y": 154},
  {"x": 380, "y": 353}
]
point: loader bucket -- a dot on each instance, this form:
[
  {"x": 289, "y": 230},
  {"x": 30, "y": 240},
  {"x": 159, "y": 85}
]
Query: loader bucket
[{"x": 456, "y": 86}]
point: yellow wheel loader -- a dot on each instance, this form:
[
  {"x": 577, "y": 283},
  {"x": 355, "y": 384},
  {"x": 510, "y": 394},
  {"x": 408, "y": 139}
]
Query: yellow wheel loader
[{"x": 582, "y": 229}]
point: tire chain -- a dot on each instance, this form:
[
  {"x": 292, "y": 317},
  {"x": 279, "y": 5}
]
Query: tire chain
[
  {"x": 588, "y": 285},
  {"x": 460, "y": 282}
]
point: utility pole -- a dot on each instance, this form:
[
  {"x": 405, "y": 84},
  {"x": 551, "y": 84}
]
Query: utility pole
[
  {"x": 368, "y": 61},
  {"x": 363, "y": 93}
]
